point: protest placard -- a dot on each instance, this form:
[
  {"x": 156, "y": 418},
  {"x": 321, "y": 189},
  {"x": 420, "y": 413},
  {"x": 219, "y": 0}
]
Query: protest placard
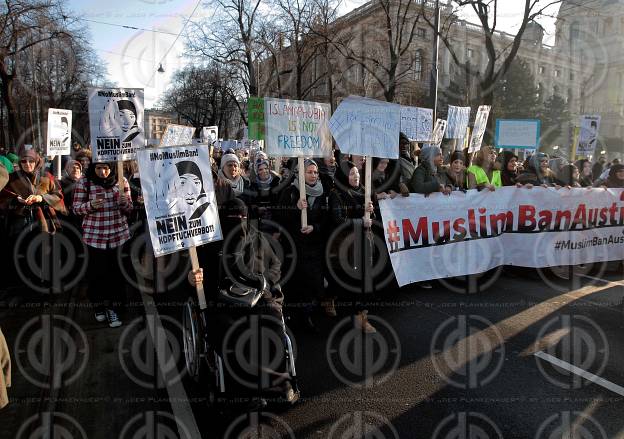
[
  {"x": 177, "y": 135},
  {"x": 116, "y": 123},
  {"x": 209, "y": 135},
  {"x": 480, "y": 125},
  {"x": 438, "y": 132},
  {"x": 457, "y": 121},
  {"x": 517, "y": 133},
  {"x": 588, "y": 135},
  {"x": 255, "y": 118},
  {"x": 296, "y": 128},
  {"x": 417, "y": 123},
  {"x": 367, "y": 127},
  {"x": 179, "y": 197},
  {"x": 59, "y": 132}
]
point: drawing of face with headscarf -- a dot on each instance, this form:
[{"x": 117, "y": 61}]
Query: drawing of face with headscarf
[
  {"x": 191, "y": 190},
  {"x": 127, "y": 119}
]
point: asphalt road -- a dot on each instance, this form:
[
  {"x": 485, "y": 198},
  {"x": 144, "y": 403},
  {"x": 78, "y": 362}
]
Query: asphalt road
[{"x": 528, "y": 358}]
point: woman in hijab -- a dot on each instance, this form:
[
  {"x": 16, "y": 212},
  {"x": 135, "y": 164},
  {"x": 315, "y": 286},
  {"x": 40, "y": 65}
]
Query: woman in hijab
[
  {"x": 615, "y": 178},
  {"x": 483, "y": 174},
  {"x": 230, "y": 170},
  {"x": 32, "y": 196},
  {"x": 128, "y": 120},
  {"x": 347, "y": 209},
  {"x": 509, "y": 173},
  {"x": 427, "y": 177},
  {"x": 104, "y": 207},
  {"x": 307, "y": 286},
  {"x": 71, "y": 175},
  {"x": 192, "y": 189},
  {"x": 586, "y": 178},
  {"x": 264, "y": 195},
  {"x": 538, "y": 173},
  {"x": 327, "y": 173},
  {"x": 569, "y": 176}
]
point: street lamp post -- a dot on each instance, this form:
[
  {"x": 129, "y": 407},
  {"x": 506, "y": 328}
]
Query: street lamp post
[{"x": 434, "y": 70}]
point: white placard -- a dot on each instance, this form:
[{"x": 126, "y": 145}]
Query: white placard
[
  {"x": 588, "y": 135},
  {"x": 177, "y": 135},
  {"x": 179, "y": 196},
  {"x": 367, "y": 127},
  {"x": 438, "y": 132},
  {"x": 59, "y": 132},
  {"x": 480, "y": 126},
  {"x": 417, "y": 123},
  {"x": 296, "y": 128},
  {"x": 457, "y": 121},
  {"x": 116, "y": 123},
  {"x": 210, "y": 135}
]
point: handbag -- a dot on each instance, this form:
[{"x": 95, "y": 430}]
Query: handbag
[{"x": 240, "y": 295}]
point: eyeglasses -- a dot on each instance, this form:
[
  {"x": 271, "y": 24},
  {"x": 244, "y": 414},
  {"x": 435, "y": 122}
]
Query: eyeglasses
[{"x": 27, "y": 161}]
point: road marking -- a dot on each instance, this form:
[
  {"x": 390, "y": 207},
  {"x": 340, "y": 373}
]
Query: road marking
[
  {"x": 611, "y": 283},
  {"x": 580, "y": 372}
]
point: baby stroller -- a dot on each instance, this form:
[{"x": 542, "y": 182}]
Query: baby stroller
[{"x": 238, "y": 349}]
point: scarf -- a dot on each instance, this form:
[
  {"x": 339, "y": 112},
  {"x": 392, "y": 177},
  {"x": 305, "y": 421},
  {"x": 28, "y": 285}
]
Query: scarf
[
  {"x": 312, "y": 192},
  {"x": 107, "y": 182},
  {"x": 237, "y": 185},
  {"x": 324, "y": 169}
]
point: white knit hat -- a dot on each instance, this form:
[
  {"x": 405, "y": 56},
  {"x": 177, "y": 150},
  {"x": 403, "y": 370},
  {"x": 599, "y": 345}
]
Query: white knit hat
[{"x": 229, "y": 158}]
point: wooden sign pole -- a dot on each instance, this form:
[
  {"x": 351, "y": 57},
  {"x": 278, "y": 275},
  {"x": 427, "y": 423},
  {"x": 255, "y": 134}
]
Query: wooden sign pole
[
  {"x": 368, "y": 171},
  {"x": 201, "y": 297},
  {"x": 302, "y": 193},
  {"x": 59, "y": 172},
  {"x": 120, "y": 177}
]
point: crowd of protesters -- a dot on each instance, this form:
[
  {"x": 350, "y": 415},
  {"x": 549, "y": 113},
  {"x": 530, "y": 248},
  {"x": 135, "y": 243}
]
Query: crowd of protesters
[{"x": 258, "y": 196}]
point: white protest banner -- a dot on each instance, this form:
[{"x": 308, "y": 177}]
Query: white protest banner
[
  {"x": 468, "y": 233},
  {"x": 296, "y": 128},
  {"x": 116, "y": 123},
  {"x": 457, "y": 121},
  {"x": 588, "y": 135},
  {"x": 367, "y": 127},
  {"x": 417, "y": 123},
  {"x": 438, "y": 132},
  {"x": 177, "y": 135},
  {"x": 517, "y": 134},
  {"x": 480, "y": 125},
  {"x": 59, "y": 132},
  {"x": 209, "y": 135},
  {"x": 179, "y": 197}
]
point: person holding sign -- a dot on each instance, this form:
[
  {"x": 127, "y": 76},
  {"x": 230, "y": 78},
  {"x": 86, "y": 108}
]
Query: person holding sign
[
  {"x": 483, "y": 173},
  {"x": 309, "y": 242},
  {"x": 104, "y": 206},
  {"x": 346, "y": 205}
]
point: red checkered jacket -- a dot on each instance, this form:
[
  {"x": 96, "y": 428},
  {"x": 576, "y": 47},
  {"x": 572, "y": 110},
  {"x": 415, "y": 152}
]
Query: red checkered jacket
[{"x": 106, "y": 227}]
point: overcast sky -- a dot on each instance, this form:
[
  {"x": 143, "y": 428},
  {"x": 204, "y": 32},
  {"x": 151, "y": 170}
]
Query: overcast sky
[{"x": 133, "y": 56}]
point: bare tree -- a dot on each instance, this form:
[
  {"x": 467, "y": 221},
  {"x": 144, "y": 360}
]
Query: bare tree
[
  {"x": 383, "y": 52},
  {"x": 499, "y": 56}
]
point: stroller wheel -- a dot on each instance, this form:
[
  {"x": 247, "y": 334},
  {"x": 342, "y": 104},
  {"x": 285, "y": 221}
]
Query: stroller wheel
[{"x": 191, "y": 338}]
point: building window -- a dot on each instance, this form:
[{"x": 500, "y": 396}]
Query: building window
[
  {"x": 418, "y": 65},
  {"x": 541, "y": 70},
  {"x": 421, "y": 32},
  {"x": 470, "y": 53},
  {"x": 557, "y": 73}
]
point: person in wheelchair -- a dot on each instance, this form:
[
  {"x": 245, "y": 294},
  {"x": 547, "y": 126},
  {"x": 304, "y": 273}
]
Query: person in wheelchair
[{"x": 245, "y": 323}]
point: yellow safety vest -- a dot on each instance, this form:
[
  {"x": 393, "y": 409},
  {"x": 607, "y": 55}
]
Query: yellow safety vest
[{"x": 482, "y": 177}]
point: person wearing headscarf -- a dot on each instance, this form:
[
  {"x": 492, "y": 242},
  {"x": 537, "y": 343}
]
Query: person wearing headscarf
[
  {"x": 586, "y": 178},
  {"x": 32, "y": 196},
  {"x": 306, "y": 288},
  {"x": 509, "y": 165},
  {"x": 406, "y": 161},
  {"x": 7, "y": 163},
  {"x": 264, "y": 195},
  {"x": 569, "y": 176},
  {"x": 386, "y": 178},
  {"x": 71, "y": 174},
  {"x": 615, "y": 178},
  {"x": 347, "y": 211},
  {"x": 483, "y": 173},
  {"x": 230, "y": 170},
  {"x": 454, "y": 175},
  {"x": 556, "y": 164},
  {"x": 537, "y": 172},
  {"x": 427, "y": 177},
  {"x": 84, "y": 157},
  {"x": 104, "y": 206},
  {"x": 327, "y": 172}
]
